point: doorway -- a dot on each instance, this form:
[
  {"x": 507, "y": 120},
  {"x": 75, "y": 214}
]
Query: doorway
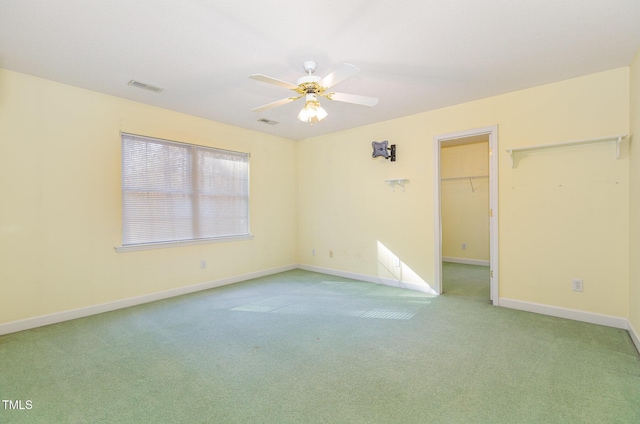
[{"x": 473, "y": 142}]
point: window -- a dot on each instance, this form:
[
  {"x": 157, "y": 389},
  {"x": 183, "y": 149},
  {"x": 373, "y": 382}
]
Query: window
[{"x": 176, "y": 192}]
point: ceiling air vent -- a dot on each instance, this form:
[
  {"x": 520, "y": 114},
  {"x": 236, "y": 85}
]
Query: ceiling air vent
[
  {"x": 139, "y": 84},
  {"x": 267, "y": 121}
]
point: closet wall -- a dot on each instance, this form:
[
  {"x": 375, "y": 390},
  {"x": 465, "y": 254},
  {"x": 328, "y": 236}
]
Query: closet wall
[{"x": 464, "y": 171}]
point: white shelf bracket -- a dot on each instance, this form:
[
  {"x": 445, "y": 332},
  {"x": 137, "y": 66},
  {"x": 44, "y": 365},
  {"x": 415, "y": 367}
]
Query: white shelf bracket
[
  {"x": 397, "y": 181},
  {"x": 618, "y": 141},
  {"x": 511, "y": 156}
]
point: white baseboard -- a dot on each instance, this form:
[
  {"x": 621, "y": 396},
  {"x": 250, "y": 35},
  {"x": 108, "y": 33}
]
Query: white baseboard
[
  {"x": 42, "y": 320},
  {"x": 465, "y": 261},
  {"x": 574, "y": 314},
  {"x": 635, "y": 336},
  {"x": 370, "y": 278}
]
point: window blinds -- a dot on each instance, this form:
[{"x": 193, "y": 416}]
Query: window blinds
[{"x": 177, "y": 192}]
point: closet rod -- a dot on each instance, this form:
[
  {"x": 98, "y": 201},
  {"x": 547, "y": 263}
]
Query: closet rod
[
  {"x": 463, "y": 178},
  {"x": 470, "y": 178}
]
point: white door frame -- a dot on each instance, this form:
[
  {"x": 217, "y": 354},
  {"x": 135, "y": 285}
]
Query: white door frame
[{"x": 492, "y": 131}]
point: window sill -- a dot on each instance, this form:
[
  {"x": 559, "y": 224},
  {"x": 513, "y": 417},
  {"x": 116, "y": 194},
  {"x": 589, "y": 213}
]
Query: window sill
[{"x": 195, "y": 242}]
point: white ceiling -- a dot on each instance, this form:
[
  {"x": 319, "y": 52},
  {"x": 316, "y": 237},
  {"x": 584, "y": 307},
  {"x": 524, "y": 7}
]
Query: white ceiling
[{"x": 414, "y": 55}]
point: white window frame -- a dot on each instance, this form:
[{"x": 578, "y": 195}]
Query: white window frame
[{"x": 193, "y": 194}]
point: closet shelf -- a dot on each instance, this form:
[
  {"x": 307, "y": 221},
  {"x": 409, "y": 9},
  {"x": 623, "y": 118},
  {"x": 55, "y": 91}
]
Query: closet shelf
[
  {"x": 470, "y": 178},
  {"x": 397, "y": 181},
  {"x": 617, "y": 138}
]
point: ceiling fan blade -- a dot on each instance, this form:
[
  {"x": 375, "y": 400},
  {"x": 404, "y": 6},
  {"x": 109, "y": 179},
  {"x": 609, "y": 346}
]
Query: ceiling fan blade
[
  {"x": 269, "y": 80},
  {"x": 342, "y": 73},
  {"x": 353, "y": 98},
  {"x": 275, "y": 104}
]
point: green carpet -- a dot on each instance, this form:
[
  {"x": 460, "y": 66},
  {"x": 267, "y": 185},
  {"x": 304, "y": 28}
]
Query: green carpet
[
  {"x": 465, "y": 280},
  {"x": 302, "y": 347}
]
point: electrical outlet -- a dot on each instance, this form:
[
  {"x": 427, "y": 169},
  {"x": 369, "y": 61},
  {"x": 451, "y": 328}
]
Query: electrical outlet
[
  {"x": 577, "y": 285},
  {"x": 203, "y": 263},
  {"x": 313, "y": 252},
  {"x": 464, "y": 246},
  {"x": 396, "y": 262},
  {"x": 331, "y": 253}
]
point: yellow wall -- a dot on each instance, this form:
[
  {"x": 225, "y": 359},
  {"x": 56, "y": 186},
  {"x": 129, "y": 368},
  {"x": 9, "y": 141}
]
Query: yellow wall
[
  {"x": 465, "y": 202},
  {"x": 60, "y": 200},
  {"x": 563, "y": 213},
  {"x": 634, "y": 211}
]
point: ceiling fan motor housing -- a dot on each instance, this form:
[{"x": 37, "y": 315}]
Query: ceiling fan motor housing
[{"x": 309, "y": 85}]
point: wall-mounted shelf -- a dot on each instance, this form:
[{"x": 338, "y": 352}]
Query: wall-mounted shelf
[
  {"x": 470, "y": 178},
  {"x": 616, "y": 138},
  {"x": 397, "y": 181}
]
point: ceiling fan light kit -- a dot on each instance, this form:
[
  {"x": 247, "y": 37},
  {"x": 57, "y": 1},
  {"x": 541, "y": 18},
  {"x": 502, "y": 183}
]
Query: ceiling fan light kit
[
  {"x": 312, "y": 112},
  {"x": 311, "y": 86}
]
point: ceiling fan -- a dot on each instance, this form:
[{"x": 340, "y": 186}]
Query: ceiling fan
[{"x": 312, "y": 87}]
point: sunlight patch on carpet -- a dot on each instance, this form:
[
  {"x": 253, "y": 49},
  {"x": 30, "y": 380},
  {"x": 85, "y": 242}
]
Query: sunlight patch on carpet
[{"x": 332, "y": 306}]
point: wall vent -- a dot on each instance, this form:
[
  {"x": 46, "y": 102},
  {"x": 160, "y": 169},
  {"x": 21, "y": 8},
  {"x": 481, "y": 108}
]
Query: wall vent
[
  {"x": 139, "y": 84},
  {"x": 267, "y": 121}
]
